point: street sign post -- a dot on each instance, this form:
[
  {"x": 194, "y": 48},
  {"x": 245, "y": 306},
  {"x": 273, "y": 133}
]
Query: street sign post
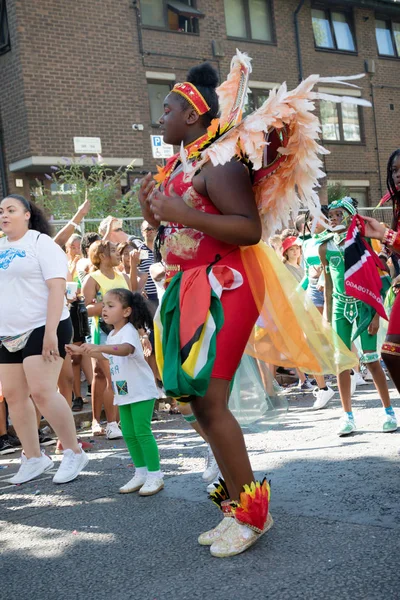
[{"x": 159, "y": 148}]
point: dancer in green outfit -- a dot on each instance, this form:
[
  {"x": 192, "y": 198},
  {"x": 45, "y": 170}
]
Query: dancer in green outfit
[{"x": 344, "y": 312}]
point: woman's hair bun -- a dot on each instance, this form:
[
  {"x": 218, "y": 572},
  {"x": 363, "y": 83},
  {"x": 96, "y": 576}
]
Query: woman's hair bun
[{"x": 203, "y": 75}]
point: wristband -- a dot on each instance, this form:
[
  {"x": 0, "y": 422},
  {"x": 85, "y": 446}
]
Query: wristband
[
  {"x": 76, "y": 225},
  {"x": 144, "y": 337}
]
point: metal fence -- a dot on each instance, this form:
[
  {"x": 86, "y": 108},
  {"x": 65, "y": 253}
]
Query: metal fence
[
  {"x": 384, "y": 214},
  {"x": 131, "y": 225}
]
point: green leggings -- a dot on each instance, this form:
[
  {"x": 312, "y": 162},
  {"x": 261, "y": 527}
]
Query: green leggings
[{"x": 138, "y": 436}]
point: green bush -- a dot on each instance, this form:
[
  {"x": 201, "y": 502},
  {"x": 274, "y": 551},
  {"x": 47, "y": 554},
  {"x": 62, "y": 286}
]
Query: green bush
[{"x": 73, "y": 180}]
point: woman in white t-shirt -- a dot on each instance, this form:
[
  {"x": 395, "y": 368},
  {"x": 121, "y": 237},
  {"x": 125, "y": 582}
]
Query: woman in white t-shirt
[
  {"x": 133, "y": 384},
  {"x": 34, "y": 328}
]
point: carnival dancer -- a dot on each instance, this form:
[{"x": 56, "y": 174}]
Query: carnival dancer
[
  {"x": 391, "y": 240},
  {"x": 206, "y": 223},
  {"x": 209, "y": 226},
  {"x": 345, "y": 311}
]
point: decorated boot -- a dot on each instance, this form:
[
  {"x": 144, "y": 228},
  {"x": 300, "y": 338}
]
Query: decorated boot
[
  {"x": 220, "y": 497},
  {"x": 251, "y": 520}
]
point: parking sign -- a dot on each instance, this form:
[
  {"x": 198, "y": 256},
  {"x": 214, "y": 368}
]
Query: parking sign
[{"x": 159, "y": 148}]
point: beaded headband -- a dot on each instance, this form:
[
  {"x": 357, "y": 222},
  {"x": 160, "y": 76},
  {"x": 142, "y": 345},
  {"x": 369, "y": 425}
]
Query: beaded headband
[{"x": 193, "y": 96}]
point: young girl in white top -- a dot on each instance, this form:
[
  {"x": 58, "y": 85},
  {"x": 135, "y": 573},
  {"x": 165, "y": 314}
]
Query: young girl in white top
[{"x": 133, "y": 383}]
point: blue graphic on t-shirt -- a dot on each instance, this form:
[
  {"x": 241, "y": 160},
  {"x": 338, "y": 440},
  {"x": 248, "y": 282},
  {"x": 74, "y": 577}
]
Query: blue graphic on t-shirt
[{"x": 7, "y": 256}]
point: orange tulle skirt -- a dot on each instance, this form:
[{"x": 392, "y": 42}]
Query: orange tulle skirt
[{"x": 290, "y": 330}]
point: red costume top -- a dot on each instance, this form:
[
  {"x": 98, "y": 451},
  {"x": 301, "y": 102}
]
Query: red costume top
[{"x": 184, "y": 248}]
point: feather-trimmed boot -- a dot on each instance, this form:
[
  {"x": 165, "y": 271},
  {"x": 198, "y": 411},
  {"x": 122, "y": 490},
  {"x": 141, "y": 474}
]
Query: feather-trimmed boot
[
  {"x": 251, "y": 519},
  {"x": 220, "y": 497}
]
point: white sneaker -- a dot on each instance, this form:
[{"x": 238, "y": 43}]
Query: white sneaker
[
  {"x": 71, "y": 465},
  {"x": 113, "y": 432},
  {"x": 31, "y": 468},
  {"x": 353, "y": 383},
  {"x": 359, "y": 379},
  {"x": 152, "y": 486},
  {"x": 211, "y": 470},
  {"x": 209, "y": 537},
  {"x": 213, "y": 486},
  {"x": 322, "y": 397},
  {"x": 133, "y": 484},
  {"x": 346, "y": 426}
]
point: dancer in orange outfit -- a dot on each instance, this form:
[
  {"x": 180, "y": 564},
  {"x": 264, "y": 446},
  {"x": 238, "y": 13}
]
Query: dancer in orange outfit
[
  {"x": 220, "y": 279},
  {"x": 207, "y": 220}
]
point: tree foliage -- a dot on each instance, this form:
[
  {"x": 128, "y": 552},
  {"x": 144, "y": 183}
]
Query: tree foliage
[{"x": 73, "y": 180}]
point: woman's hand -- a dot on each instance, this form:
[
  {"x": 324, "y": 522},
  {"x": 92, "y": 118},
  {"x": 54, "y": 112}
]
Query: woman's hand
[
  {"x": 146, "y": 189},
  {"x": 50, "y": 351},
  {"x": 374, "y": 325},
  {"x": 172, "y": 208},
  {"x": 373, "y": 228},
  {"x": 135, "y": 257}
]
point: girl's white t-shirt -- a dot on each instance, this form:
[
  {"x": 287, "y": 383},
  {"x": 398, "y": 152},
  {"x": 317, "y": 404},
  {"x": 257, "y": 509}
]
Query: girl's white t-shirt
[
  {"x": 25, "y": 266},
  {"x": 131, "y": 376}
]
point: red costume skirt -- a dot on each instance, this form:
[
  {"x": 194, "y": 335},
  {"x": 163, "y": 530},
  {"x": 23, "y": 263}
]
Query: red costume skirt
[{"x": 394, "y": 322}]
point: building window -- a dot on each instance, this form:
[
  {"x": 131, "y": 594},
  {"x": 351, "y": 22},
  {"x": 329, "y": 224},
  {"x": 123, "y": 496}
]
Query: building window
[
  {"x": 249, "y": 19},
  {"x": 255, "y": 99},
  {"x": 387, "y": 37},
  {"x": 174, "y": 15},
  {"x": 340, "y": 122},
  {"x": 157, "y": 93},
  {"x": 333, "y": 30},
  {"x": 4, "y": 32},
  {"x": 360, "y": 194}
]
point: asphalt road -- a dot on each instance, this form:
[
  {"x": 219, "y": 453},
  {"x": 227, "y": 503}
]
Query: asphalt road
[{"x": 335, "y": 503}]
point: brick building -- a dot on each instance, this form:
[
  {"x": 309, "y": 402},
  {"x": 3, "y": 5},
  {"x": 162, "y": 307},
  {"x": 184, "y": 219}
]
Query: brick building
[{"x": 96, "y": 69}]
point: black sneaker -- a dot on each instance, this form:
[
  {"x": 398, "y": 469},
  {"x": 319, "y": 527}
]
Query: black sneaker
[
  {"x": 5, "y": 446},
  {"x": 14, "y": 441},
  {"x": 45, "y": 440},
  {"x": 89, "y": 389},
  {"x": 77, "y": 404}
]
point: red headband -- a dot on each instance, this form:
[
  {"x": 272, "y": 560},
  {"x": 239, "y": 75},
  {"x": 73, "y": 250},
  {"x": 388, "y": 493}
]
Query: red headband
[{"x": 193, "y": 96}]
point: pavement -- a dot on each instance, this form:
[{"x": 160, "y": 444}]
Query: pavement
[{"x": 335, "y": 502}]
